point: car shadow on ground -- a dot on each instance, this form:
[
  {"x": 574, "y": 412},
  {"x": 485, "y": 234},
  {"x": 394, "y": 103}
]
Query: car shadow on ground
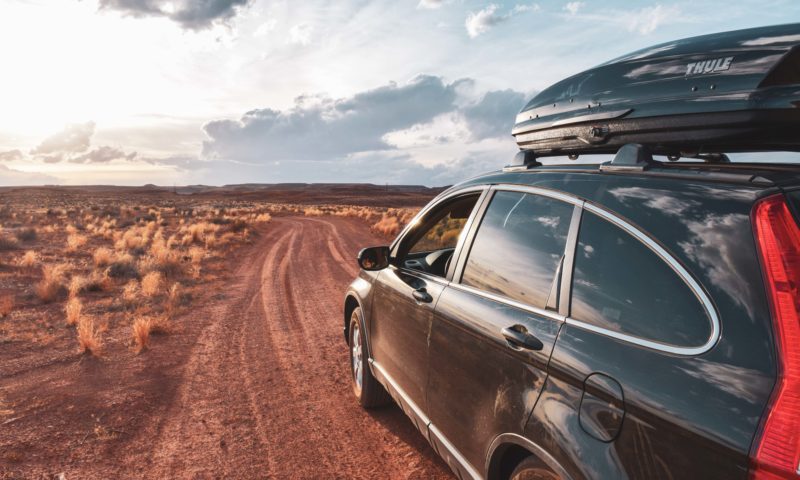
[{"x": 394, "y": 420}]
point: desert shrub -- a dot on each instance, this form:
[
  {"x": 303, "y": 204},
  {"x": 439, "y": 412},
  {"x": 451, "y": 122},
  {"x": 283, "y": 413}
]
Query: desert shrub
[
  {"x": 152, "y": 284},
  {"x": 141, "y": 333},
  {"x": 73, "y": 310},
  {"x": 77, "y": 284},
  {"x": 53, "y": 282},
  {"x": 144, "y": 327},
  {"x": 27, "y": 234},
  {"x": 89, "y": 336},
  {"x": 130, "y": 292},
  {"x": 123, "y": 266},
  {"x": 98, "y": 281},
  {"x": 388, "y": 225},
  {"x": 7, "y": 242},
  {"x": 238, "y": 225},
  {"x": 6, "y": 305},
  {"x": 312, "y": 212},
  {"x": 29, "y": 259},
  {"x": 263, "y": 218},
  {"x": 75, "y": 242},
  {"x": 103, "y": 257}
]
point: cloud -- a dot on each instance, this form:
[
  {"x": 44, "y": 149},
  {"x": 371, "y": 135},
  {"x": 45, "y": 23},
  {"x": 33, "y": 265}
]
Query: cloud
[
  {"x": 301, "y": 34},
  {"x": 103, "y": 154},
  {"x": 493, "y": 115},
  {"x": 189, "y": 14},
  {"x": 265, "y": 28},
  {"x": 648, "y": 19},
  {"x": 11, "y": 177},
  {"x": 425, "y": 131},
  {"x": 74, "y": 138},
  {"x": 430, "y": 4},
  {"x": 318, "y": 127},
  {"x": 11, "y": 155},
  {"x": 573, "y": 7},
  {"x": 72, "y": 145},
  {"x": 482, "y": 21}
]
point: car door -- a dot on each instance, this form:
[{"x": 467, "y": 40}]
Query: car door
[
  {"x": 495, "y": 325},
  {"x": 406, "y": 292}
]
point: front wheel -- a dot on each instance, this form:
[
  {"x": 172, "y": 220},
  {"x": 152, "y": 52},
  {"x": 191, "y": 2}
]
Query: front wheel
[{"x": 368, "y": 390}]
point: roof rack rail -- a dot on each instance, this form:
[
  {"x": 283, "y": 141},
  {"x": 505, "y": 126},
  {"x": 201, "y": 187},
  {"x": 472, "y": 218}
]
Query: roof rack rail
[
  {"x": 632, "y": 157},
  {"x": 523, "y": 160}
]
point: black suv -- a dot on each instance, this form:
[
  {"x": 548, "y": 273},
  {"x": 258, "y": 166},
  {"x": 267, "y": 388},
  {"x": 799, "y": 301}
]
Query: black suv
[{"x": 637, "y": 318}]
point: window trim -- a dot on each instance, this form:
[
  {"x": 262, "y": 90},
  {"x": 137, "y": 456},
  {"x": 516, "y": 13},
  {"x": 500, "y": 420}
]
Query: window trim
[
  {"x": 677, "y": 267},
  {"x": 565, "y": 287},
  {"x": 554, "y": 315},
  {"x": 438, "y": 202}
]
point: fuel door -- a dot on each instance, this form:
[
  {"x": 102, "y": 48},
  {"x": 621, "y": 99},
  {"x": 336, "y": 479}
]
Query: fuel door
[{"x": 602, "y": 407}]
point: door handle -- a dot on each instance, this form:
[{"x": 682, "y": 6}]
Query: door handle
[
  {"x": 517, "y": 337},
  {"x": 422, "y": 295}
]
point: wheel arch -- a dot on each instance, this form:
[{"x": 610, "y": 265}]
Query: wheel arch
[
  {"x": 508, "y": 449},
  {"x": 351, "y": 302}
]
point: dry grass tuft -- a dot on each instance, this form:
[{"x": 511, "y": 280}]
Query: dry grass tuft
[
  {"x": 144, "y": 327},
  {"x": 73, "y": 310},
  {"x": 75, "y": 241},
  {"x": 6, "y": 305},
  {"x": 130, "y": 293},
  {"x": 388, "y": 225},
  {"x": 29, "y": 260},
  {"x": 77, "y": 284},
  {"x": 26, "y": 234},
  {"x": 141, "y": 333},
  {"x": 89, "y": 336},
  {"x": 7, "y": 242},
  {"x": 152, "y": 284},
  {"x": 53, "y": 282},
  {"x": 103, "y": 257},
  {"x": 312, "y": 212}
]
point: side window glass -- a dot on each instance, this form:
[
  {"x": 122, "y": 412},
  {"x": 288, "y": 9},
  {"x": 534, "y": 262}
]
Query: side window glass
[
  {"x": 431, "y": 245},
  {"x": 622, "y": 285},
  {"x": 518, "y": 247}
]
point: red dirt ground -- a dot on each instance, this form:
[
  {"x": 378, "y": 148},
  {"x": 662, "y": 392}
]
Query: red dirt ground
[{"x": 254, "y": 383}]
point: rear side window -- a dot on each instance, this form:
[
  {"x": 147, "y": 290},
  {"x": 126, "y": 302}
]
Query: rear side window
[
  {"x": 518, "y": 247},
  {"x": 622, "y": 285}
]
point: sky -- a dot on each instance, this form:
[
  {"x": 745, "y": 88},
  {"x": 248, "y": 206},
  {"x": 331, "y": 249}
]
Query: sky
[{"x": 216, "y": 92}]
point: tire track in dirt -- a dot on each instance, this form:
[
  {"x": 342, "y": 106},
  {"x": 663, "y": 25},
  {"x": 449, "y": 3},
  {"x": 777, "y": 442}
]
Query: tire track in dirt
[{"x": 266, "y": 393}]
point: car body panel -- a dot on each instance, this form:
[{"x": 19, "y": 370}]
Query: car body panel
[
  {"x": 470, "y": 360},
  {"x": 681, "y": 415},
  {"x": 400, "y": 327}
]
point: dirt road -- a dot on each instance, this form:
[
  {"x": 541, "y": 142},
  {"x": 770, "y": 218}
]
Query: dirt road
[
  {"x": 266, "y": 391},
  {"x": 255, "y": 387}
]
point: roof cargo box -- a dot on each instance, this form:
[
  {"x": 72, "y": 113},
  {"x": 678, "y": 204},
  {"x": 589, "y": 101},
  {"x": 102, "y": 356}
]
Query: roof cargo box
[{"x": 731, "y": 91}]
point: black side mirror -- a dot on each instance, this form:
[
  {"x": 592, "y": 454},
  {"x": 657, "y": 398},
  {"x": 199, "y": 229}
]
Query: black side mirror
[{"x": 373, "y": 258}]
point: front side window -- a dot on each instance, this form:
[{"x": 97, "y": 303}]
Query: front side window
[
  {"x": 518, "y": 247},
  {"x": 622, "y": 285},
  {"x": 429, "y": 247}
]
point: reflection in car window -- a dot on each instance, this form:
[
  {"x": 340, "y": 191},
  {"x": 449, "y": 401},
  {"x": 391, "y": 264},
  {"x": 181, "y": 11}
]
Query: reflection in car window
[
  {"x": 443, "y": 234},
  {"x": 518, "y": 247},
  {"x": 622, "y": 285}
]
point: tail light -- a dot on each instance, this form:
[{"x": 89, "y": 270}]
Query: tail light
[{"x": 777, "y": 452}]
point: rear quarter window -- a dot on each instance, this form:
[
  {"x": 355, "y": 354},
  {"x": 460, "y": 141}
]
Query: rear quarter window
[{"x": 622, "y": 285}]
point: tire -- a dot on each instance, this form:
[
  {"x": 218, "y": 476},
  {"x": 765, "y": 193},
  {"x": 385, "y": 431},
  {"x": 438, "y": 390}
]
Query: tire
[
  {"x": 532, "y": 469},
  {"x": 369, "y": 392}
]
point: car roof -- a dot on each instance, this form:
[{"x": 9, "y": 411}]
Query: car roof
[{"x": 758, "y": 178}]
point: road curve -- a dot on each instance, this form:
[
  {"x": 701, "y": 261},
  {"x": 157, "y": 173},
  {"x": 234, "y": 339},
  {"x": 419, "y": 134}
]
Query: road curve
[{"x": 265, "y": 392}]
